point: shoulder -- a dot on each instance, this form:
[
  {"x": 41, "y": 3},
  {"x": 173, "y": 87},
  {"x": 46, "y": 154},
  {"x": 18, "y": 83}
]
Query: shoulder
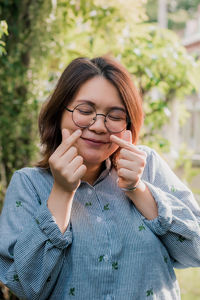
[
  {"x": 149, "y": 151},
  {"x": 156, "y": 165},
  {"x": 153, "y": 157},
  {"x": 33, "y": 173},
  {"x": 35, "y": 178}
]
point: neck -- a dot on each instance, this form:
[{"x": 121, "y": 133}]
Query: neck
[{"x": 92, "y": 173}]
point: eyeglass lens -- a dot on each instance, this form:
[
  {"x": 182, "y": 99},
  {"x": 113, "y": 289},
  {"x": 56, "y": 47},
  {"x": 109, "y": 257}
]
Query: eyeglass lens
[{"x": 84, "y": 115}]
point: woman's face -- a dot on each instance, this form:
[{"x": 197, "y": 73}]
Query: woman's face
[{"x": 94, "y": 144}]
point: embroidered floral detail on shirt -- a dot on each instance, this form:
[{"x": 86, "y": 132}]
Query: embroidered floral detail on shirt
[
  {"x": 15, "y": 277},
  {"x": 181, "y": 238},
  {"x": 18, "y": 203},
  {"x": 165, "y": 259},
  {"x": 149, "y": 292},
  {"x": 141, "y": 227},
  {"x": 72, "y": 292},
  {"x": 173, "y": 189},
  {"x": 37, "y": 221},
  {"x": 106, "y": 207},
  {"x": 101, "y": 258},
  {"x": 88, "y": 204},
  {"x": 115, "y": 265}
]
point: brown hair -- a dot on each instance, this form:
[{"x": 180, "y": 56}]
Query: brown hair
[{"x": 77, "y": 72}]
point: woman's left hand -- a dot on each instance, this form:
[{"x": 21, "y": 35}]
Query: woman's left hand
[{"x": 130, "y": 161}]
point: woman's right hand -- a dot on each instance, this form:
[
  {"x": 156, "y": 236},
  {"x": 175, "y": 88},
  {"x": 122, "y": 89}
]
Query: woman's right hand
[{"x": 66, "y": 165}]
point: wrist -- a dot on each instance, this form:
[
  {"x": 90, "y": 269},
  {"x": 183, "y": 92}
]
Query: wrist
[
  {"x": 133, "y": 188},
  {"x": 63, "y": 192},
  {"x": 59, "y": 204}
]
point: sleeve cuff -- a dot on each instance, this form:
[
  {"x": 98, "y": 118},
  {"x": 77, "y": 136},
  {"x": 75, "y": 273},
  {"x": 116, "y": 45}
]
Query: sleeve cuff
[
  {"x": 161, "y": 224},
  {"x": 47, "y": 224}
]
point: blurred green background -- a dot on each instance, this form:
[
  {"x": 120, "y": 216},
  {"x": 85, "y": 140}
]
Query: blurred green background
[{"x": 38, "y": 38}]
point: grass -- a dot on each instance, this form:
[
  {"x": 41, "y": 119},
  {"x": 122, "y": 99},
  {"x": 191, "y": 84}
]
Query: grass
[{"x": 189, "y": 281}]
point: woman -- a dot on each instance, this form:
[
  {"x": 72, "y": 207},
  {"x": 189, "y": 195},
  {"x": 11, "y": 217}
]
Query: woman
[{"x": 99, "y": 217}]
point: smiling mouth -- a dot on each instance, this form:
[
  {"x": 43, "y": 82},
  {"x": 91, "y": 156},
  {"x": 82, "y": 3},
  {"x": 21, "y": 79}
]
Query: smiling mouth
[{"x": 95, "y": 141}]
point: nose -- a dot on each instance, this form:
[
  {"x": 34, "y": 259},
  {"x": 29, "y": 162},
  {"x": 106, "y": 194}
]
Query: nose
[{"x": 99, "y": 124}]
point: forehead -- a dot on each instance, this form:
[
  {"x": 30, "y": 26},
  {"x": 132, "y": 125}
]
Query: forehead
[{"x": 99, "y": 91}]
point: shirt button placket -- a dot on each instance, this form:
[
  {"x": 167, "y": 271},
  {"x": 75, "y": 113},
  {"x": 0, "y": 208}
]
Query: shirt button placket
[
  {"x": 99, "y": 219},
  {"x": 106, "y": 258},
  {"x": 89, "y": 192}
]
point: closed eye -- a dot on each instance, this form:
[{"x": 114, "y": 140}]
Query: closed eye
[
  {"x": 115, "y": 118},
  {"x": 85, "y": 112}
]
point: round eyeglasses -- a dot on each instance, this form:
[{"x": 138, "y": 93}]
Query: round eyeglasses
[{"x": 84, "y": 115}]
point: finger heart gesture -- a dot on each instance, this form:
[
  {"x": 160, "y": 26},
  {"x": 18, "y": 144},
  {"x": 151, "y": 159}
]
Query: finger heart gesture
[
  {"x": 130, "y": 161},
  {"x": 66, "y": 165}
]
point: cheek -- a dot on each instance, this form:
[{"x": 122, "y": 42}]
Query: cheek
[
  {"x": 119, "y": 135},
  {"x": 66, "y": 121}
]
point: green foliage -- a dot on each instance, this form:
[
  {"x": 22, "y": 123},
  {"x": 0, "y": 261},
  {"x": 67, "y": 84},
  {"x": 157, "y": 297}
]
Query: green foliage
[
  {"x": 18, "y": 104},
  {"x": 152, "y": 10},
  {"x": 18, "y": 100},
  {"x": 163, "y": 71},
  {"x": 188, "y": 5},
  {"x": 179, "y": 11},
  {"x": 3, "y": 30}
]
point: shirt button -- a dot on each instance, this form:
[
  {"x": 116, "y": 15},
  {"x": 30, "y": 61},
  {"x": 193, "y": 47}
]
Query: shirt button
[
  {"x": 99, "y": 219},
  {"x": 108, "y": 297},
  {"x": 106, "y": 258},
  {"x": 54, "y": 219}
]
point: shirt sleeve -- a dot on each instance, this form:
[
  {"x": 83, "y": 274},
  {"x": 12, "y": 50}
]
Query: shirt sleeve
[
  {"x": 178, "y": 221},
  {"x": 31, "y": 244}
]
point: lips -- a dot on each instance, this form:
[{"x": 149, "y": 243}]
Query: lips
[{"x": 95, "y": 141}]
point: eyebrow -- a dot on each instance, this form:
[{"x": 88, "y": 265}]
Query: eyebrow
[{"x": 109, "y": 108}]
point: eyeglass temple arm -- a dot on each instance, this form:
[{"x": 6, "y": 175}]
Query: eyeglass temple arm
[{"x": 68, "y": 109}]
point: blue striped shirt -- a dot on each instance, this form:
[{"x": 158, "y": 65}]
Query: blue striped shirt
[{"x": 109, "y": 250}]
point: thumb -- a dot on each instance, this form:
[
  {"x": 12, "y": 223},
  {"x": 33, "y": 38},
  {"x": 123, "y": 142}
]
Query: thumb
[
  {"x": 65, "y": 134},
  {"x": 127, "y": 136}
]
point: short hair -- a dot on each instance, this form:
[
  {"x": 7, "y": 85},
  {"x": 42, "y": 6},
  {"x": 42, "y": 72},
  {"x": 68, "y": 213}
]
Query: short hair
[{"x": 73, "y": 77}]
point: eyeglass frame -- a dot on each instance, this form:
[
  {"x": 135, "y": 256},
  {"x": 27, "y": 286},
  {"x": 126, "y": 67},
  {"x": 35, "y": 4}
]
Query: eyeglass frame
[{"x": 105, "y": 116}]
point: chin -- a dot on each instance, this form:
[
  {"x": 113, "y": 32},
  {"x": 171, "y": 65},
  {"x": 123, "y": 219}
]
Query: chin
[{"x": 92, "y": 159}]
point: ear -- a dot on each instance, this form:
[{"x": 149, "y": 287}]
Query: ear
[
  {"x": 65, "y": 134},
  {"x": 127, "y": 136}
]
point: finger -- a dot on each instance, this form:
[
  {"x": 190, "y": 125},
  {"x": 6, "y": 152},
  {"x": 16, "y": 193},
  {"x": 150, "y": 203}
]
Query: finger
[
  {"x": 127, "y": 164},
  {"x": 131, "y": 155},
  {"x": 65, "y": 134},
  {"x": 79, "y": 173},
  {"x": 128, "y": 175},
  {"x": 75, "y": 163},
  {"x": 123, "y": 144},
  {"x": 68, "y": 156},
  {"x": 127, "y": 136},
  {"x": 67, "y": 141}
]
